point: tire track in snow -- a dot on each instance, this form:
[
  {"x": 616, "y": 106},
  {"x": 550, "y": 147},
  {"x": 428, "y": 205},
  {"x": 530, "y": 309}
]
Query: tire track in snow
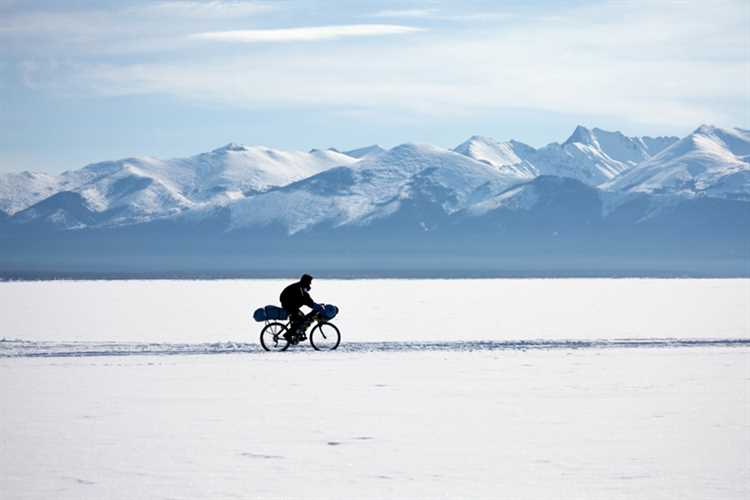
[{"x": 15, "y": 348}]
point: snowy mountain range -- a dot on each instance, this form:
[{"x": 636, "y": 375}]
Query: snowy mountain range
[
  {"x": 591, "y": 156},
  {"x": 135, "y": 190},
  {"x": 709, "y": 162},
  {"x": 598, "y": 190}
]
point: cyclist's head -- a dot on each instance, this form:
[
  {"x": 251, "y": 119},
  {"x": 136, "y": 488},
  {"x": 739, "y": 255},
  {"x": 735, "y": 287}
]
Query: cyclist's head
[{"x": 306, "y": 281}]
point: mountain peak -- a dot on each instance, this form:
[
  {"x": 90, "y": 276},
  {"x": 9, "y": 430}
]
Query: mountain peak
[
  {"x": 481, "y": 138},
  {"x": 414, "y": 150},
  {"x": 706, "y": 129},
  {"x": 711, "y": 161},
  {"x": 466, "y": 147},
  {"x": 232, "y": 146},
  {"x": 713, "y": 130},
  {"x": 735, "y": 140},
  {"x": 365, "y": 151},
  {"x": 581, "y": 135},
  {"x": 595, "y": 136},
  {"x": 407, "y": 146},
  {"x": 508, "y": 157}
]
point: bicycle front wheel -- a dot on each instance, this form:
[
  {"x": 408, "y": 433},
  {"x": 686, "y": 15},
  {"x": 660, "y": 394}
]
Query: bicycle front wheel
[
  {"x": 325, "y": 337},
  {"x": 272, "y": 337}
]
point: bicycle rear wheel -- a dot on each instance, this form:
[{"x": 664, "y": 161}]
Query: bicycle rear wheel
[
  {"x": 272, "y": 337},
  {"x": 325, "y": 337}
]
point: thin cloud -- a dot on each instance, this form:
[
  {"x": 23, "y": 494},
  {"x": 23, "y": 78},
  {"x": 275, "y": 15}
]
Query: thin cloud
[
  {"x": 103, "y": 21},
  {"x": 437, "y": 15},
  {"x": 307, "y": 34},
  {"x": 418, "y": 13},
  {"x": 216, "y": 9},
  {"x": 648, "y": 65}
]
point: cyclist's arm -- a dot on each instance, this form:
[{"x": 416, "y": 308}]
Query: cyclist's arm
[{"x": 309, "y": 302}]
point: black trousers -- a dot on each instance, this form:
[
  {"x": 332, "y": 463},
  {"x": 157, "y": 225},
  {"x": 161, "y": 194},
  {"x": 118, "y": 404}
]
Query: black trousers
[{"x": 297, "y": 317}]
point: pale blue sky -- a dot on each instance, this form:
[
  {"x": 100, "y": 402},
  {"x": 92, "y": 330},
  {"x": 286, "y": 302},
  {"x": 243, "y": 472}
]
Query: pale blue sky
[{"x": 91, "y": 81}]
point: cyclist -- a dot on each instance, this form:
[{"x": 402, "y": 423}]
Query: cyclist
[{"x": 295, "y": 296}]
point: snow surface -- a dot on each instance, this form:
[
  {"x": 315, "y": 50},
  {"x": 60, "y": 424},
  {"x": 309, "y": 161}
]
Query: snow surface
[
  {"x": 67, "y": 349},
  {"x": 642, "y": 409},
  {"x": 381, "y": 310},
  {"x": 522, "y": 424}
]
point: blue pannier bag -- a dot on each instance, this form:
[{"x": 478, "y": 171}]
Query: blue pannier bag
[
  {"x": 329, "y": 311},
  {"x": 276, "y": 313},
  {"x": 259, "y": 314},
  {"x": 270, "y": 313}
]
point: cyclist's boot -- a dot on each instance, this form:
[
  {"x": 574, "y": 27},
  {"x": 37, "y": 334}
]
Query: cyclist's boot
[{"x": 297, "y": 335}]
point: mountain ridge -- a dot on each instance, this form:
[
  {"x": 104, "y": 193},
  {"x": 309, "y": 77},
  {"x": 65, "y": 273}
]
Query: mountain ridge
[
  {"x": 710, "y": 161},
  {"x": 237, "y": 205}
]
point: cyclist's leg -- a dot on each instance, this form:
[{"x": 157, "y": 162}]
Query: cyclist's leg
[
  {"x": 297, "y": 319},
  {"x": 307, "y": 319}
]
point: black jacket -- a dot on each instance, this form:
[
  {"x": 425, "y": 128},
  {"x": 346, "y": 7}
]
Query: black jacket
[{"x": 294, "y": 296}]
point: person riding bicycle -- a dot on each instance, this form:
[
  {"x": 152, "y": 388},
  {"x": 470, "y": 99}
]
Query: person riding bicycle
[{"x": 295, "y": 296}]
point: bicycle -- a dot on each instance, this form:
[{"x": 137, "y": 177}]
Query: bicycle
[{"x": 324, "y": 336}]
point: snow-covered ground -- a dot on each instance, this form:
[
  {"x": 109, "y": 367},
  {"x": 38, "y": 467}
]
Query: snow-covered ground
[
  {"x": 563, "y": 424},
  {"x": 381, "y": 310},
  {"x": 423, "y": 411}
]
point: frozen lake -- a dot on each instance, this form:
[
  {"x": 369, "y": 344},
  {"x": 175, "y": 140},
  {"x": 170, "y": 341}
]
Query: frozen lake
[
  {"x": 566, "y": 424},
  {"x": 381, "y": 310},
  {"x": 524, "y": 389}
]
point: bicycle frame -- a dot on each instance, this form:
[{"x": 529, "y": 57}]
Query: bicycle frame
[
  {"x": 281, "y": 328},
  {"x": 288, "y": 324}
]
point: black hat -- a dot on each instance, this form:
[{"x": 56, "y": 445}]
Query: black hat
[{"x": 306, "y": 279}]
